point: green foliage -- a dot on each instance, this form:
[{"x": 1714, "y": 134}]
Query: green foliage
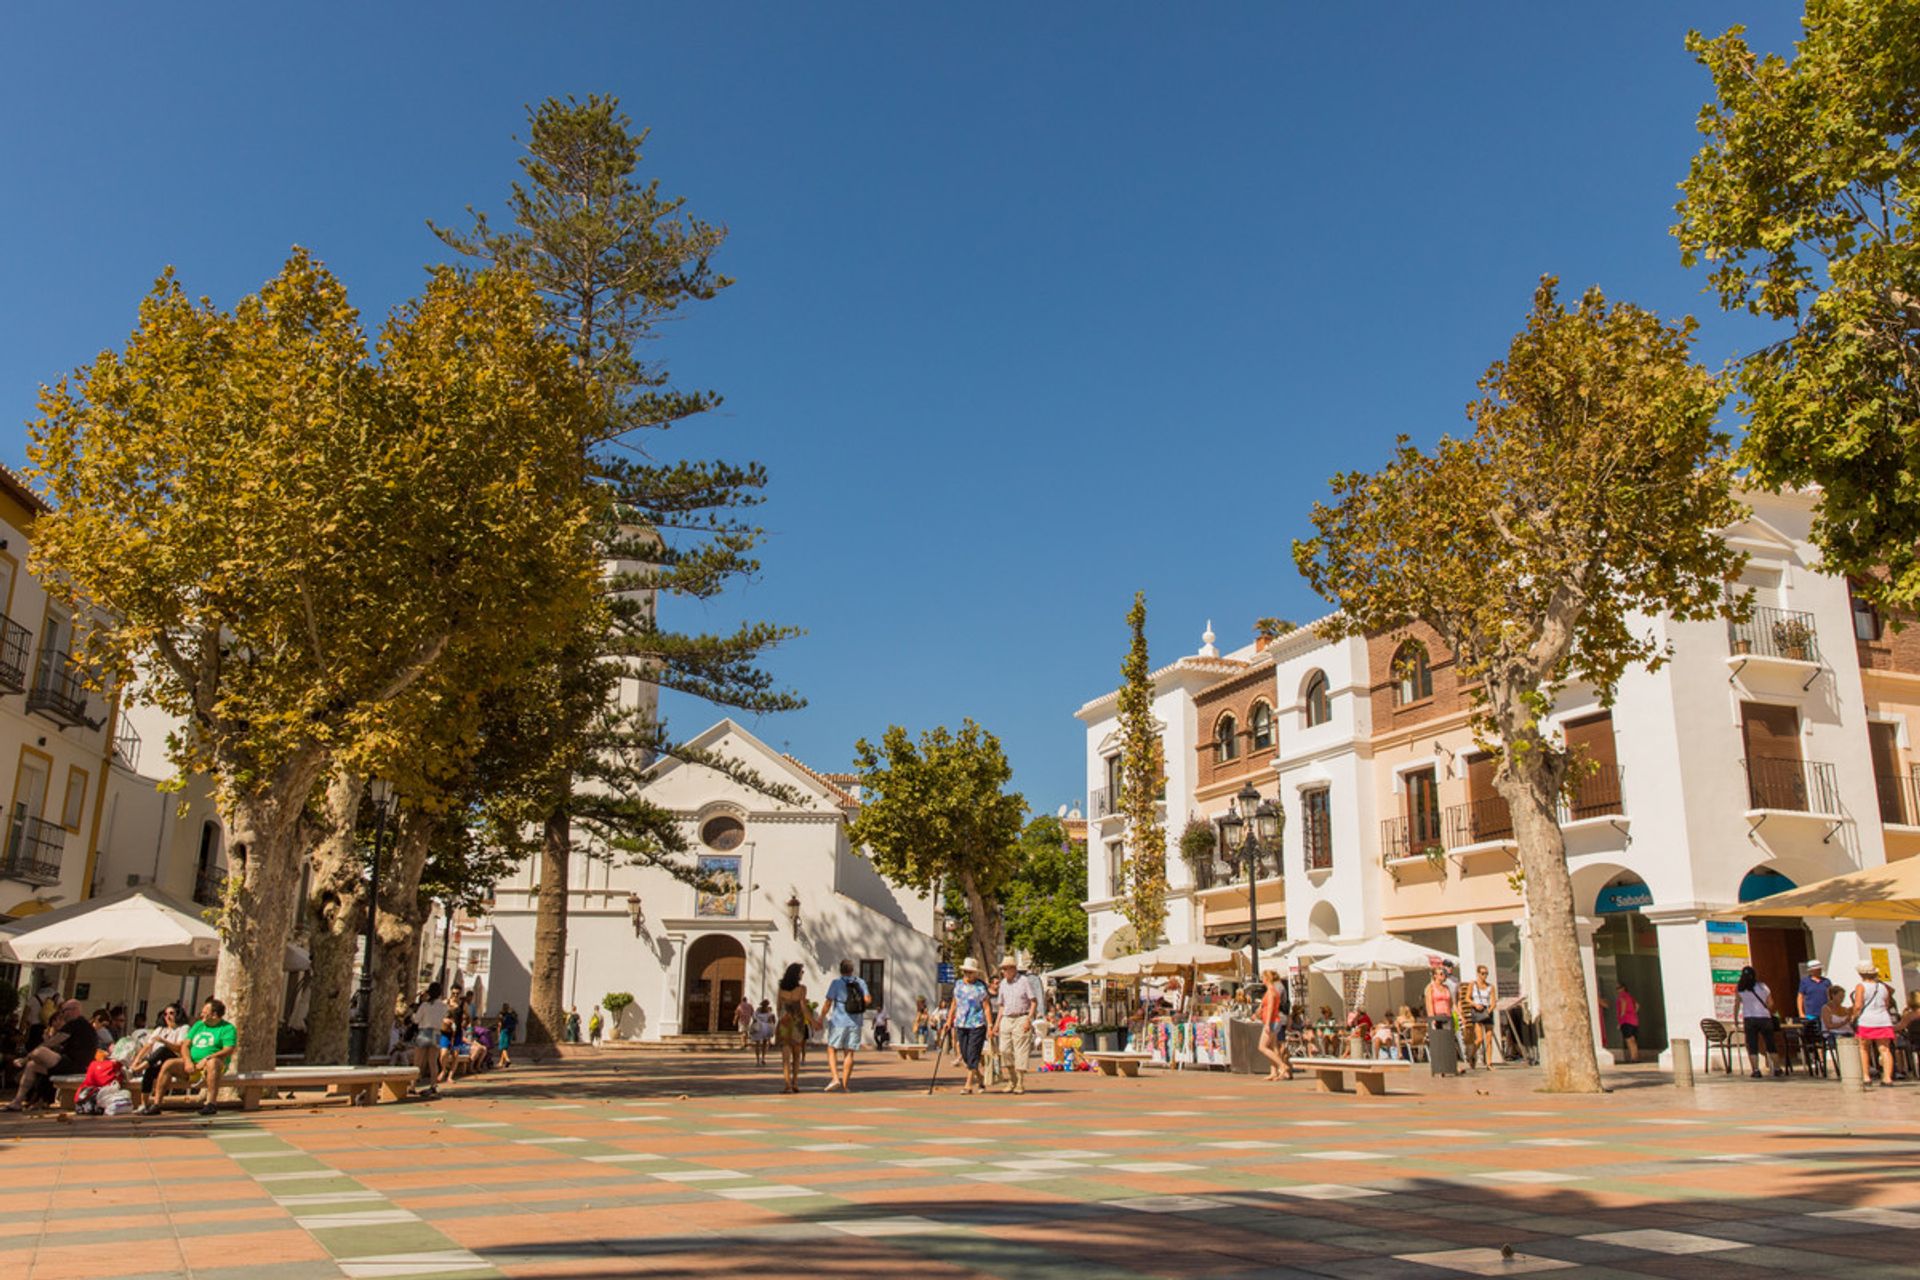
[
  {"x": 1273, "y": 628},
  {"x": 614, "y": 1001},
  {"x": 1199, "y": 842},
  {"x": 935, "y": 812},
  {"x": 1043, "y": 897},
  {"x": 1142, "y": 767},
  {"x": 1801, "y": 201}
]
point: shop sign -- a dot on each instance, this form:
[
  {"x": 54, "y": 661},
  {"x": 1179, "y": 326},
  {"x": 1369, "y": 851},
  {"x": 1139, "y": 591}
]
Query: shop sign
[
  {"x": 1616, "y": 898},
  {"x": 1727, "y": 954},
  {"x": 946, "y": 973}
]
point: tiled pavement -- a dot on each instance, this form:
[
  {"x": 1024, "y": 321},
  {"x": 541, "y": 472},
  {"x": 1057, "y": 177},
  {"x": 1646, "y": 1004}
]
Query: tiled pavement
[{"x": 626, "y": 1164}]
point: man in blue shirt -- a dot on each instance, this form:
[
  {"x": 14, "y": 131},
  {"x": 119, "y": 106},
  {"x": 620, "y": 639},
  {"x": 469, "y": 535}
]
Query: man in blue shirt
[
  {"x": 1815, "y": 990},
  {"x": 844, "y": 1025}
]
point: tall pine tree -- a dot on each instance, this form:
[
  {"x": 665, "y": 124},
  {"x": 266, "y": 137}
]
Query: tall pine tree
[
  {"x": 1141, "y": 769},
  {"x": 613, "y": 257}
]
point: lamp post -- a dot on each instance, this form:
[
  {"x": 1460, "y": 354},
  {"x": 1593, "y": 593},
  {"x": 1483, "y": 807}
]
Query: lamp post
[
  {"x": 378, "y": 793},
  {"x": 1247, "y": 833}
]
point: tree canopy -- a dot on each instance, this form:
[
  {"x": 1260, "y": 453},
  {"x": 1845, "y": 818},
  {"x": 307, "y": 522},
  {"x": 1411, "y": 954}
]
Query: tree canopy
[
  {"x": 1801, "y": 202},
  {"x": 1044, "y": 895},
  {"x": 935, "y": 811},
  {"x": 1542, "y": 548}
]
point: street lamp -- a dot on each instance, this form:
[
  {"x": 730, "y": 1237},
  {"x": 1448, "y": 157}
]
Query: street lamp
[
  {"x": 636, "y": 912},
  {"x": 1248, "y": 833},
  {"x": 379, "y": 793}
]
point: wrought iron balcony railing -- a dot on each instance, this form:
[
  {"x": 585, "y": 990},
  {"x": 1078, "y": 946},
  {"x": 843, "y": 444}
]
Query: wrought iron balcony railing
[
  {"x": 1483, "y": 821},
  {"x": 126, "y": 745},
  {"x": 1793, "y": 786},
  {"x": 16, "y": 649},
  {"x": 57, "y": 691},
  {"x": 1410, "y": 836},
  {"x": 1593, "y": 795},
  {"x": 1775, "y": 633},
  {"x": 1899, "y": 800},
  {"x": 34, "y": 846}
]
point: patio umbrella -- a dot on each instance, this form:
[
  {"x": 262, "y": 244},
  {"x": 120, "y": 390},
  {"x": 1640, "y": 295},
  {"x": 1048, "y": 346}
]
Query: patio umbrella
[
  {"x": 1890, "y": 892},
  {"x": 1384, "y": 954},
  {"x": 1297, "y": 949},
  {"x": 1078, "y": 971},
  {"x": 141, "y": 923},
  {"x": 1174, "y": 958}
]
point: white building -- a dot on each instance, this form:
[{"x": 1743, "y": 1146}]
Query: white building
[
  {"x": 1761, "y": 755},
  {"x": 797, "y": 892}
]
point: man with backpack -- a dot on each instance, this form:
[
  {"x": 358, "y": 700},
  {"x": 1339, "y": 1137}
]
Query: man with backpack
[{"x": 846, "y": 1010}]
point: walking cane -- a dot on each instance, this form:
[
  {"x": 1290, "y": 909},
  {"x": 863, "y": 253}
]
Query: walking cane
[{"x": 939, "y": 1045}]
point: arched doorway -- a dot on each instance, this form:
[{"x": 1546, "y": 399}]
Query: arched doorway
[
  {"x": 1626, "y": 951},
  {"x": 1778, "y": 947},
  {"x": 716, "y": 977}
]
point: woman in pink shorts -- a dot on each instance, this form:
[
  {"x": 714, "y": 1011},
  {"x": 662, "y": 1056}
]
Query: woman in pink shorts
[{"x": 1874, "y": 1018}]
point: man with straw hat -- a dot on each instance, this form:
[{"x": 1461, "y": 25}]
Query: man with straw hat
[
  {"x": 969, "y": 1018},
  {"x": 1013, "y": 1035}
]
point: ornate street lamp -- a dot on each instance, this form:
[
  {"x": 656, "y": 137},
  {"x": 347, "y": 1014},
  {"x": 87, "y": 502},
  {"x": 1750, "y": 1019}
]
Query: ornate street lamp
[
  {"x": 379, "y": 794},
  {"x": 793, "y": 911},
  {"x": 635, "y": 912},
  {"x": 1250, "y": 830}
]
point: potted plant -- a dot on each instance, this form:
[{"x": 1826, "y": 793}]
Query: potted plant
[
  {"x": 615, "y": 1003},
  {"x": 1199, "y": 843},
  {"x": 1793, "y": 638}
]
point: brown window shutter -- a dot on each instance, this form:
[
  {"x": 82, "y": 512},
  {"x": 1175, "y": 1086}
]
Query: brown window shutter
[{"x": 1770, "y": 732}]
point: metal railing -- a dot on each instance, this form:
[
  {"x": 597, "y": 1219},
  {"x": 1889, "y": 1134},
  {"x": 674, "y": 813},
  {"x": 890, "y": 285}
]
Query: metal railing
[
  {"x": 1795, "y": 786},
  {"x": 1410, "y": 836},
  {"x": 57, "y": 690},
  {"x": 1100, "y": 803},
  {"x": 1775, "y": 633},
  {"x": 34, "y": 846},
  {"x": 1593, "y": 795},
  {"x": 16, "y": 651},
  {"x": 126, "y": 745},
  {"x": 207, "y": 884},
  {"x": 1483, "y": 821},
  {"x": 1899, "y": 799}
]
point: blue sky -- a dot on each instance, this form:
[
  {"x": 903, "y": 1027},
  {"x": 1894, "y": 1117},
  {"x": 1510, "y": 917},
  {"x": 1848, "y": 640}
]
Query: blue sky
[{"x": 1038, "y": 304}]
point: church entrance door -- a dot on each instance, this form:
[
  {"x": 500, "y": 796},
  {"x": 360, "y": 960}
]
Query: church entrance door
[{"x": 716, "y": 977}]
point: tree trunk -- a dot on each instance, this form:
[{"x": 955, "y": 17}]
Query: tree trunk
[
  {"x": 257, "y": 918},
  {"x": 1570, "y": 1061},
  {"x": 397, "y": 939},
  {"x": 989, "y": 928},
  {"x": 335, "y": 900},
  {"x": 547, "y": 1003}
]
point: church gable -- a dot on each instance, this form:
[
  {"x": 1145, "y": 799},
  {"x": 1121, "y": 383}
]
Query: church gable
[{"x": 690, "y": 786}]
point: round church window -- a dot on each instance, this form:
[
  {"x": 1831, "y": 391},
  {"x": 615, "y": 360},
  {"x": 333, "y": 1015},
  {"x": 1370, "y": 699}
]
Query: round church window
[{"x": 722, "y": 833}]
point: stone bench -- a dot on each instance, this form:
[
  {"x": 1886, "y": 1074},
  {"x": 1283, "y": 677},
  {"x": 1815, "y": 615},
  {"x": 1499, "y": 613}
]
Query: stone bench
[
  {"x": 362, "y": 1084},
  {"x": 1369, "y": 1074},
  {"x": 911, "y": 1052},
  {"x": 1118, "y": 1064}
]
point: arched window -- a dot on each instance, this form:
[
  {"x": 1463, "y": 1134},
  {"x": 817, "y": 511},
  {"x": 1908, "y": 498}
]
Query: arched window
[
  {"x": 1319, "y": 701},
  {"x": 1262, "y": 724},
  {"x": 1412, "y": 676},
  {"x": 1226, "y": 743}
]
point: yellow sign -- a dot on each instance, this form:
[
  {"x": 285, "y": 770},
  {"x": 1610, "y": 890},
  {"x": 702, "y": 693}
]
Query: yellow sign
[{"x": 1882, "y": 962}]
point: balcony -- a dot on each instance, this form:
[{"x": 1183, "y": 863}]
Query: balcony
[
  {"x": 57, "y": 692},
  {"x": 126, "y": 745},
  {"x": 1409, "y": 839},
  {"x": 1593, "y": 795},
  {"x": 1217, "y": 873},
  {"x": 1785, "y": 785},
  {"x": 1899, "y": 800},
  {"x": 16, "y": 646},
  {"x": 34, "y": 846},
  {"x": 1479, "y": 823},
  {"x": 1100, "y": 803},
  {"x": 1779, "y": 635}
]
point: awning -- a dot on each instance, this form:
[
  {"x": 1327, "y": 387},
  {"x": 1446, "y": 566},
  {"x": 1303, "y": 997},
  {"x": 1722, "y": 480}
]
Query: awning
[{"x": 1890, "y": 893}]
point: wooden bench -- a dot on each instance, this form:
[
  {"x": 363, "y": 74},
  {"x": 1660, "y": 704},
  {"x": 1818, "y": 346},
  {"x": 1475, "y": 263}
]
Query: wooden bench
[
  {"x": 65, "y": 1087},
  {"x": 911, "y": 1052},
  {"x": 1118, "y": 1064},
  {"x": 1369, "y": 1074},
  {"x": 362, "y": 1084}
]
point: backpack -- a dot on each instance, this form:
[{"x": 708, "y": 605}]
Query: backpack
[{"x": 854, "y": 1003}]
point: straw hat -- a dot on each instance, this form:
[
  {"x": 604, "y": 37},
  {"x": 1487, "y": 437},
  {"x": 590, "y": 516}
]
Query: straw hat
[
  {"x": 1867, "y": 969},
  {"x": 970, "y": 965}
]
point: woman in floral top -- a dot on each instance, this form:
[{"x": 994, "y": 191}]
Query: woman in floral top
[{"x": 971, "y": 1020}]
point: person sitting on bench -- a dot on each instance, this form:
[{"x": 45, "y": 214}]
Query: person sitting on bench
[
  {"x": 67, "y": 1049},
  {"x": 210, "y": 1045}
]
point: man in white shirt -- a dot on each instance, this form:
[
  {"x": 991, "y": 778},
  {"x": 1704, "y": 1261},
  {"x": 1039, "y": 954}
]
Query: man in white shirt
[{"x": 1020, "y": 1007}]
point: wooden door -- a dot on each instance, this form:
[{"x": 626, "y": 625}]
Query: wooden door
[
  {"x": 1771, "y": 734},
  {"x": 1594, "y": 789},
  {"x": 1487, "y": 814},
  {"x": 1883, "y": 741}
]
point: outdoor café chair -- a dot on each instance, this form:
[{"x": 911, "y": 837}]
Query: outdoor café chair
[{"x": 1715, "y": 1035}]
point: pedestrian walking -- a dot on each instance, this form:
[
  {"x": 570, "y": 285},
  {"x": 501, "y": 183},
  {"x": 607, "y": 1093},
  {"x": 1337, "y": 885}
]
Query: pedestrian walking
[
  {"x": 1273, "y": 1026},
  {"x": 593, "y": 1026},
  {"x": 509, "y": 1028},
  {"x": 846, "y": 1009},
  {"x": 1757, "y": 1020},
  {"x": 1019, "y": 1007},
  {"x": 573, "y": 1025},
  {"x": 743, "y": 1021},
  {"x": 790, "y": 1027},
  {"x": 761, "y": 1032},
  {"x": 1875, "y": 1011},
  {"x": 968, "y": 1019},
  {"x": 1813, "y": 996},
  {"x": 1478, "y": 1001}
]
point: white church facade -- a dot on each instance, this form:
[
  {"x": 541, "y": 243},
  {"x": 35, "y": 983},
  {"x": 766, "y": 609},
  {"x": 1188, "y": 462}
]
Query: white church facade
[{"x": 789, "y": 888}]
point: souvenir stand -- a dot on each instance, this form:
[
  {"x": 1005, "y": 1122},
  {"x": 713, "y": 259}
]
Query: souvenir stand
[{"x": 1195, "y": 1036}]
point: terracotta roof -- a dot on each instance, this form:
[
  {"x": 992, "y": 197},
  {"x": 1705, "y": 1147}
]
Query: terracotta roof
[
  {"x": 14, "y": 484},
  {"x": 831, "y": 781}
]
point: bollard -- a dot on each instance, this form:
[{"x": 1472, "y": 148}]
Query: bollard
[
  {"x": 1846, "y": 1061},
  {"x": 1682, "y": 1051}
]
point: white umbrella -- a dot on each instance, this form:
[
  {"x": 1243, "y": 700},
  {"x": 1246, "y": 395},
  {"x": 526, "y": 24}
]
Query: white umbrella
[
  {"x": 140, "y": 922},
  {"x": 1297, "y": 949},
  {"x": 1174, "y": 958},
  {"x": 1074, "y": 972},
  {"x": 1383, "y": 954}
]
